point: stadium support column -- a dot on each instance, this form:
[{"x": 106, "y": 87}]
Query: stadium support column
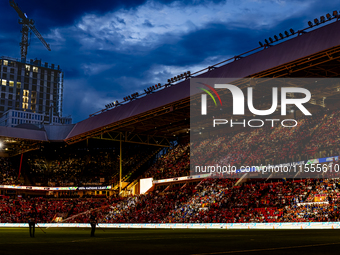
[
  {"x": 22, "y": 154},
  {"x": 120, "y": 163}
]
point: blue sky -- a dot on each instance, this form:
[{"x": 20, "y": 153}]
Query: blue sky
[{"x": 111, "y": 49}]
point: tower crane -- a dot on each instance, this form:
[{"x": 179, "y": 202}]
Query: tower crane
[{"x": 27, "y": 24}]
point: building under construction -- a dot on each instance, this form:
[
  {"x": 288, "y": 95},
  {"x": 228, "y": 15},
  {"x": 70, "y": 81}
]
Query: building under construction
[{"x": 31, "y": 91}]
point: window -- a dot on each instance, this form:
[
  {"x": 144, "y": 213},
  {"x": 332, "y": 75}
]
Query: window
[
  {"x": 5, "y": 69},
  {"x": 5, "y": 62},
  {"x": 26, "y": 93},
  {"x": 11, "y": 83},
  {"x": 18, "y": 84},
  {"x": 4, "y": 82},
  {"x": 25, "y": 99},
  {"x": 35, "y": 69},
  {"x": 27, "y": 67}
]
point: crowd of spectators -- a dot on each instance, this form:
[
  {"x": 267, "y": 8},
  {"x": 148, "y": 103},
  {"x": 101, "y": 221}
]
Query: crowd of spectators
[
  {"x": 211, "y": 201},
  {"x": 71, "y": 169},
  {"x": 174, "y": 163},
  {"x": 267, "y": 145},
  {"x": 8, "y": 174},
  {"x": 82, "y": 167}
]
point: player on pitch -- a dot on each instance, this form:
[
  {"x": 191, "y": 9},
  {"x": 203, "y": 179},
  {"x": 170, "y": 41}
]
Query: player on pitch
[{"x": 93, "y": 222}]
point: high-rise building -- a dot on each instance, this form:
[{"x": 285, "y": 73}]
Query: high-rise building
[{"x": 32, "y": 87}]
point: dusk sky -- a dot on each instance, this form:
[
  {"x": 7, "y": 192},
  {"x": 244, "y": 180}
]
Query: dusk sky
[{"x": 111, "y": 49}]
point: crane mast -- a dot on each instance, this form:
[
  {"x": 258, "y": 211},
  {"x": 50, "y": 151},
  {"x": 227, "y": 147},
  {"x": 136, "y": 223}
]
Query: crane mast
[{"x": 27, "y": 25}]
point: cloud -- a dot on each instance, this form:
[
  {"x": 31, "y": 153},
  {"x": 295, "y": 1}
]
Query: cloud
[{"x": 151, "y": 24}]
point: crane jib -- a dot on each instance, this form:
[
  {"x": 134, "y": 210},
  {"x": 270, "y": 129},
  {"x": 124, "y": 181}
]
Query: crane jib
[{"x": 27, "y": 23}]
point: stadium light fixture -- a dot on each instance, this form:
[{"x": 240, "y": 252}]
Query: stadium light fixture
[
  {"x": 286, "y": 33},
  {"x": 328, "y": 16},
  {"x": 316, "y": 21},
  {"x": 292, "y": 31},
  {"x": 322, "y": 19},
  {"x": 1, "y": 145},
  {"x": 276, "y": 38},
  {"x": 281, "y": 35},
  {"x": 261, "y": 44},
  {"x": 310, "y": 23},
  {"x": 266, "y": 41},
  {"x": 335, "y": 13},
  {"x": 271, "y": 40}
]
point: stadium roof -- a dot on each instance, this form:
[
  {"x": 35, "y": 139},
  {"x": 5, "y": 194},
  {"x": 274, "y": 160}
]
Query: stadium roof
[
  {"x": 57, "y": 132},
  {"x": 27, "y": 134},
  {"x": 280, "y": 55}
]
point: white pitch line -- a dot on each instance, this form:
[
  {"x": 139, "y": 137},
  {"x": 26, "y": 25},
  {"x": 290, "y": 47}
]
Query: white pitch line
[{"x": 268, "y": 249}]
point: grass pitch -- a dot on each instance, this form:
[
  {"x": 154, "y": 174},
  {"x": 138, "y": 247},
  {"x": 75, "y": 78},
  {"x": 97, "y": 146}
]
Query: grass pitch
[{"x": 157, "y": 241}]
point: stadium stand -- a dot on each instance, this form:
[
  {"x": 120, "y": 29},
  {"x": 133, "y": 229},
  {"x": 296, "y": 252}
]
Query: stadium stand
[
  {"x": 167, "y": 113},
  {"x": 213, "y": 200}
]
